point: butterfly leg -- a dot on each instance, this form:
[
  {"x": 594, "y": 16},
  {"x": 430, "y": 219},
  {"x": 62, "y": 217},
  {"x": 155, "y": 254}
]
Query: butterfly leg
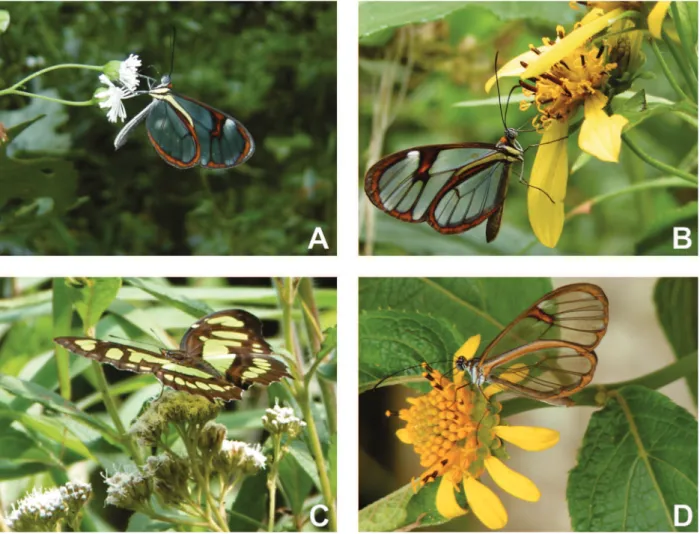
[{"x": 526, "y": 183}]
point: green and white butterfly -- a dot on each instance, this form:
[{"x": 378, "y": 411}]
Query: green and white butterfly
[{"x": 220, "y": 356}]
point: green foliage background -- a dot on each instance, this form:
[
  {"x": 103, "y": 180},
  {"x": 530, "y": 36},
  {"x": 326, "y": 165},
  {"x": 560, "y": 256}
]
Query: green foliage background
[
  {"x": 638, "y": 456},
  {"x": 272, "y": 65},
  {"x": 52, "y": 418},
  {"x": 453, "y": 50}
]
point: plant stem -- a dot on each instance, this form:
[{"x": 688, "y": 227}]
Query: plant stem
[
  {"x": 49, "y": 69},
  {"x": 667, "y": 71},
  {"x": 658, "y": 164},
  {"x": 683, "y": 367},
  {"x": 83, "y": 103},
  {"x": 272, "y": 482},
  {"x": 286, "y": 294}
]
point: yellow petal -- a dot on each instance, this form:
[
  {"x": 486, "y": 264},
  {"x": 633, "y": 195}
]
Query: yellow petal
[
  {"x": 656, "y": 18},
  {"x": 550, "y": 173},
  {"x": 404, "y": 435},
  {"x": 592, "y": 15},
  {"x": 529, "y": 438},
  {"x": 446, "y": 502},
  {"x": 515, "y": 373},
  {"x": 600, "y": 134},
  {"x": 468, "y": 350},
  {"x": 569, "y": 44},
  {"x": 513, "y": 67},
  {"x": 511, "y": 481},
  {"x": 485, "y": 504},
  {"x": 492, "y": 389}
]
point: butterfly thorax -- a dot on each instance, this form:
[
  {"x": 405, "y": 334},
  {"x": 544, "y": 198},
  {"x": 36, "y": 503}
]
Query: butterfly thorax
[
  {"x": 471, "y": 367},
  {"x": 181, "y": 356},
  {"x": 508, "y": 145}
]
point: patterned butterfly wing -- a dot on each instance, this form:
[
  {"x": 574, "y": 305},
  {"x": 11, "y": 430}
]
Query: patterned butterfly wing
[
  {"x": 231, "y": 341},
  {"x": 547, "y": 351},
  {"x": 115, "y": 354},
  {"x": 453, "y": 187},
  {"x": 173, "y": 368}
]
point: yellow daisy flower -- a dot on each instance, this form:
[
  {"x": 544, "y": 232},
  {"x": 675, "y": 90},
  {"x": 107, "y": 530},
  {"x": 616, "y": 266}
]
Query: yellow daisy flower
[
  {"x": 559, "y": 78},
  {"x": 456, "y": 431}
]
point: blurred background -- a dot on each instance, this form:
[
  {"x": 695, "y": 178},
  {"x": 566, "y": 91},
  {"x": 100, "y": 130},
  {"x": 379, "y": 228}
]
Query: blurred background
[
  {"x": 420, "y": 60},
  {"x": 634, "y": 345},
  {"x": 271, "y": 65}
]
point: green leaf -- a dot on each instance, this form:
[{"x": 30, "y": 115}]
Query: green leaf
[
  {"x": 638, "y": 459},
  {"x": 659, "y": 238},
  {"x": 378, "y": 16},
  {"x": 305, "y": 461},
  {"x": 394, "y": 340},
  {"x": 250, "y": 507},
  {"x": 171, "y": 296},
  {"x": 248, "y": 419},
  {"x": 676, "y": 302},
  {"x": 91, "y": 297},
  {"x": 404, "y": 510},
  {"x": 474, "y": 305},
  {"x": 4, "y": 20},
  {"x": 139, "y": 522},
  {"x": 295, "y": 483}
]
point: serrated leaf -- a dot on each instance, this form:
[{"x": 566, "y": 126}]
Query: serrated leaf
[
  {"x": 394, "y": 340},
  {"x": 638, "y": 459},
  {"x": 676, "y": 302}
]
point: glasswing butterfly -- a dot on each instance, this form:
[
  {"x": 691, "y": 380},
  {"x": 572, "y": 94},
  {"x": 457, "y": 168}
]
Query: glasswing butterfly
[
  {"x": 547, "y": 352},
  {"x": 454, "y": 187},
  {"x": 186, "y": 132}
]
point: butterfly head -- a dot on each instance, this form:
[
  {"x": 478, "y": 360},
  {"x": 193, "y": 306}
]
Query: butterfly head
[{"x": 471, "y": 367}]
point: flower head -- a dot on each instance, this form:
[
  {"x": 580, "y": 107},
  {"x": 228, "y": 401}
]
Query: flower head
[
  {"x": 456, "y": 431},
  {"x": 560, "y": 78},
  {"x": 110, "y": 98},
  {"x": 127, "y": 490},
  {"x": 45, "y": 509},
  {"x": 238, "y": 455},
  {"x": 129, "y": 72},
  {"x": 281, "y": 420}
]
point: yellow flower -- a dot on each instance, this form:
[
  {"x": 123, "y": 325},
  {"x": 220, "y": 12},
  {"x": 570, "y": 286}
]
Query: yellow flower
[
  {"x": 656, "y": 18},
  {"x": 456, "y": 431},
  {"x": 559, "y": 78}
]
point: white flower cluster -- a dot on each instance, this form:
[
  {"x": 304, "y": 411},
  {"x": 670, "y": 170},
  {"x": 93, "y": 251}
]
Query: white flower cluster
[
  {"x": 41, "y": 507},
  {"x": 111, "y": 96},
  {"x": 250, "y": 457},
  {"x": 281, "y": 420}
]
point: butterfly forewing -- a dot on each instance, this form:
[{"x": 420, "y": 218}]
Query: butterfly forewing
[
  {"x": 118, "y": 355},
  {"x": 547, "y": 352}
]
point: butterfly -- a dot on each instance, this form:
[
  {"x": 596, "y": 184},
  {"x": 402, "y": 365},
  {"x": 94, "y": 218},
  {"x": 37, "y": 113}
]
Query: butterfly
[
  {"x": 186, "y": 132},
  {"x": 453, "y": 187},
  {"x": 547, "y": 352},
  {"x": 220, "y": 356}
]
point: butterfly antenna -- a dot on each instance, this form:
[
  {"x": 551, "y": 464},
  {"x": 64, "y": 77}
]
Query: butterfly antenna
[
  {"x": 505, "y": 115},
  {"x": 172, "y": 52},
  {"x": 498, "y": 89},
  {"x": 401, "y": 371}
]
